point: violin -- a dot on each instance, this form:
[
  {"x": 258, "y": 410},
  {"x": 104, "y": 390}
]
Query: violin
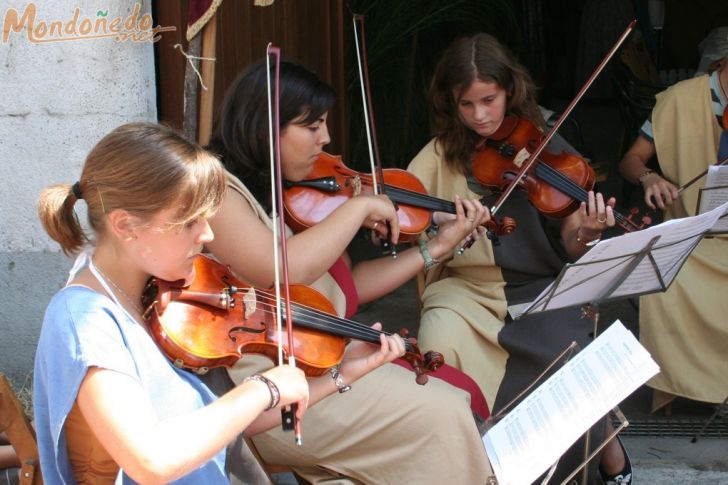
[
  {"x": 217, "y": 319},
  {"x": 332, "y": 183},
  {"x": 555, "y": 184},
  {"x": 518, "y": 158}
]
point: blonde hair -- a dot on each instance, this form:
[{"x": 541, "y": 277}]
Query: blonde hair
[{"x": 141, "y": 168}]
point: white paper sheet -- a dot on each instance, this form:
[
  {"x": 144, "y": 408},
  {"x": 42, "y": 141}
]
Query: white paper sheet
[
  {"x": 714, "y": 194},
  {"x": 531, "y": 438},
  {"x": 602, "y": 267},
  {"x": 717, "y": 175}
]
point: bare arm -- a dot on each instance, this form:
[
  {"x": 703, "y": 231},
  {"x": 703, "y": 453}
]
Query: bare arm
[
  {"x": 8, "y": 457},
  {"x": 633, "y": 167},
  {"x": 376, "y": 277},
  {"x": 359, "y": 359},
  {"x": 151, "y": 450},
  {"x": 245, "y": 243}
]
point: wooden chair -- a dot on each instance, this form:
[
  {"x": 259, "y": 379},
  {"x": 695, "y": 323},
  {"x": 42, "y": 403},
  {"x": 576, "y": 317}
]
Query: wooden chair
[{"x": 20, "y": 433}]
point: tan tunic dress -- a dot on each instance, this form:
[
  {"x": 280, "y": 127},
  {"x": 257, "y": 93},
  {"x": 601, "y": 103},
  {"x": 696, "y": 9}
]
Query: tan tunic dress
[
  {"x": 466, "y": 292},
  {"x": 465, "y": 300},
  {"x": 386, "y": 430},
  {"x": 685, "y": 328}
]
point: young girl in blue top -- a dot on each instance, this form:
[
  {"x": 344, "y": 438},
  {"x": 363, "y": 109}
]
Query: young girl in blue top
[{"x": 108, "y": 403}]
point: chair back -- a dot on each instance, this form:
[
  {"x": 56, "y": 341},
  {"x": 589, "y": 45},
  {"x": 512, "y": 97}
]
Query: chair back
[{"x": 20, "y": 433}]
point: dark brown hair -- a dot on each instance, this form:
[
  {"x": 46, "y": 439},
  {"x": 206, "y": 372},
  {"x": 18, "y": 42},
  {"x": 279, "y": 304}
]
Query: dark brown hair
[
  {"x": 241, "y": 132},
  {"x": 475, "y": 58}
]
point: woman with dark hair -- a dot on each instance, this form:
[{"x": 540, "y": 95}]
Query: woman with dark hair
[
  {"x": 469, "y": 298},
  {"x": 385, "y": 428}
]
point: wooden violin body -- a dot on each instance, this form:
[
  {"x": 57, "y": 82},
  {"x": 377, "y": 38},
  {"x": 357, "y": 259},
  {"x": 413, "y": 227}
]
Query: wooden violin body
[
  {"x": 555, "y": 184},
  {"x": 331, "y": 183},
  {"x": 217, "y": 319}
]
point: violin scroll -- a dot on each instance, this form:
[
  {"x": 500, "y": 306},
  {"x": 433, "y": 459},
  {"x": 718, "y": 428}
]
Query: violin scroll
[
  {"x": 502, "y": 226},
  {"x": 493, "y": 229},
  {"x": 421, "y": 364},
  {"x": 645, "y": 219}
]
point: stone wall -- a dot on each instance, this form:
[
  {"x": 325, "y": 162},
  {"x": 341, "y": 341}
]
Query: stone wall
[{"x": 60, "y": 95}]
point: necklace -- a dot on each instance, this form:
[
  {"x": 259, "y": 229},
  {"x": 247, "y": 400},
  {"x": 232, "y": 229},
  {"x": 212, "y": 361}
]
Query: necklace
[{"x": 135, "y": 306}]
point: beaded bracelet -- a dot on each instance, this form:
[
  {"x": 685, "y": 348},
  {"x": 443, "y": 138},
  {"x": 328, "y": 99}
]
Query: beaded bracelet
[
  {"x": 644, "y": 174},
  {"x": 429, "y": 260},
  {"x": 338, "y": 380},
  {"x": 275, "y": 394},
  {"x": 588, "y": 244}
]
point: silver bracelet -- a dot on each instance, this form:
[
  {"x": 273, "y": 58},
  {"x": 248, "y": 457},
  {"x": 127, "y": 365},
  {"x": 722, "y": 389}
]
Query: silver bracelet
[
  {"x": 275, "y": 394},
  {"x": 338, "y": 380},
  {"x": 430, "y": 262},
  {"x": 644, "y": 174}
]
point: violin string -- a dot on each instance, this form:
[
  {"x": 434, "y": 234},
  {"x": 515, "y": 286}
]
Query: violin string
[
  {"x": 425, "y": 201},
  {"x": 405, "y": 196},
  {"x": 325, "y": 321},
  {"x": 410, "y": 197},
  {"x": 569, "y": 187},
  {"x": 318, "y": 324},
  {"x": 348, "y": 327},
  {"x": 561, "y": 182},
  {"x": 266, "y": 298},
  {"x": 544, "y": 171}
]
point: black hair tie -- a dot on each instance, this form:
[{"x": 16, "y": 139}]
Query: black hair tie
[{"x": 76, "y": 189}]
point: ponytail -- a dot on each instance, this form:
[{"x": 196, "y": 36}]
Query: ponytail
[{"x": 55, "y": 209}]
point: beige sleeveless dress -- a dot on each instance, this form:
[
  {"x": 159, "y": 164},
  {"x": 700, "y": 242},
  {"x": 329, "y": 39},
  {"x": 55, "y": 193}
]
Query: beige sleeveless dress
[{"x": 386, "y": 430}]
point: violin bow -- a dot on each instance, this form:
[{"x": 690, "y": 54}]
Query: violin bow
[
  {"x": 368, "y": 109},
  {"x": 534, "y": 156},
  {"x": 280, "y": 260}
]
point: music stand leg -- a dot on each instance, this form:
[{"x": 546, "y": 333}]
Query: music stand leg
[
  {"x": 591, "y": 311},
  {"x": 710, "y": 420}
]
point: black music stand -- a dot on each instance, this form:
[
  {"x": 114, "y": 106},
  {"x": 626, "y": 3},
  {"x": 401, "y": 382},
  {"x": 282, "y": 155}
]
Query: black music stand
[
  {"x": 613, "y": 270},
  {"x": 611, "y": 278}
]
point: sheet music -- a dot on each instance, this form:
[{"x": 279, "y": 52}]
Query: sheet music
[
  {"x": 529, "y": 439},
  {"x": 714, "y": 194},
  {"x": 717, "y": 175},
  {"x": 601, "y": 268}
]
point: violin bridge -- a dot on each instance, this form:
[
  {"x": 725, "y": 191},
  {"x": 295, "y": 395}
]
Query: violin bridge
[
  {"x": 249, "y": 302},
  {"x": 521, "y": 157},
  {"x": 356, "y": 186}
]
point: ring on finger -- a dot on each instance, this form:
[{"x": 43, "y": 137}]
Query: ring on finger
[
  {"x": 470, "y": 219},
  {"x": 602, "y": 221}
]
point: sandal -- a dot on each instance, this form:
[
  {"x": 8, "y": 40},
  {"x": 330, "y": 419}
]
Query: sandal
[{"x": 624, "y": 476}]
